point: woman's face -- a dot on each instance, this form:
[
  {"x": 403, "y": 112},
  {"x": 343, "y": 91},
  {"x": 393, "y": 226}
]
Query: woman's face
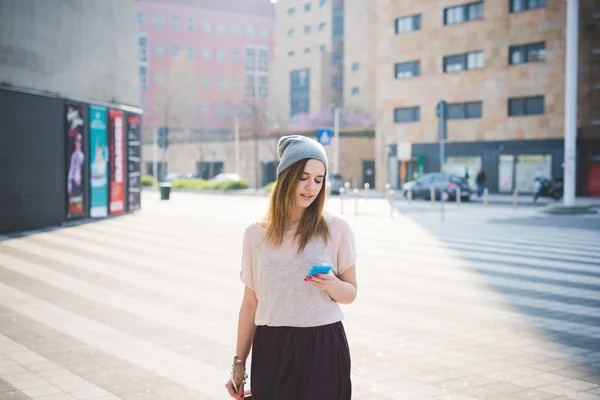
[{"x": 310, "y": 183}]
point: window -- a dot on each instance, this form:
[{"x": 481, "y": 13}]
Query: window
[
  {"x": 264, "y": 32},
  {"x": 323, "y": 3},
  {"x": 222, "y": 83},
  {"x": 307, "y": 7},
  {"x": 206, "y": 82},
  {"x": 221, "y": 55},
  {"x": 291, "y": 11},
  {"x": 337, "y": 81},
  {"x": 522, "y": 5},
  {"x": 141, "y": 18},
  {"x": 263, "y": 60},
  {"x": 143, "y": 49},
  {"x": 250, "y": 59},
  {"x": 221, "y": 28},
  {"x": 206, "y": 26},
  {"x": 191, "y": 52},
  {"x": 159, "y": 78},
  {"x": 460, "y": 62},
  {"x": 338, "y": 26},
  {"x": 526, "y": 53},
  {"x": 174, "y": 50},
  {"x": 291, "y": 33},
  {"x": 144, "y": 79},
  {"x": 299, "y": 91},
  {"x": 465, "y": 110},
  {"x": 250, "y": 88},
  {"x": 175, "y": 22},
  {"x": 159, "y": 21},
  {"x": 159, "y": 50},
  {"x": 236, "y": 29},
  {"x": 355, "y": 67},
  {"x": 235, "y": 56},
  {"x": 355, "y": 91},
  {"x": 307, "y": 50},
  {"x": 250, "y": 30},
  {"x": 519, "y": 106},
  {"x": 323, "y": 49},
  {"x": 407, "y": 69},
  {"x": 207, "y": 109},
  {"x": 322, "y": 26},
  {"x": 221, "y": 110},
  {"x": 235, "y": 83},
  {"x": 263, "y": 87},
  {"x": 407, "y": 114},
  {"x": 408, "y": 24},
  {"x": 307, "y": 29},
  {"x": 338, "y": 57},
  {"x": 190, "y": 24},
  {"x": 291, "y": 53},
  {"x": 463, "y": 13},
  {"x": 206, "y": 54}
]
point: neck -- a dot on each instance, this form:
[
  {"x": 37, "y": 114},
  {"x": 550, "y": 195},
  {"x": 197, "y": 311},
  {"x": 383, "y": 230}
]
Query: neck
[{"x": 294, "y": 217}]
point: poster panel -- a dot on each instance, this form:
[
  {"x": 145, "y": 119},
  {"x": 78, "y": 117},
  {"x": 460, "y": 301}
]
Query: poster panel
[
  {"x": 117, "y": 162},
  {"x": 98, "y": 163},
  {"x": 75, "y": 163}
]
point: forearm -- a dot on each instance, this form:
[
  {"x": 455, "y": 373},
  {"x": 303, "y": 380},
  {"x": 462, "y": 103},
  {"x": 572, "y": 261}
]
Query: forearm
[
  {"x": 342, "y": 292},
  {"x": 246, "y": 329}
]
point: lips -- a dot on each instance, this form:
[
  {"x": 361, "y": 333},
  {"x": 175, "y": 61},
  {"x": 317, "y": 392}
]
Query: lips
[{"x": 307, "y": 197}]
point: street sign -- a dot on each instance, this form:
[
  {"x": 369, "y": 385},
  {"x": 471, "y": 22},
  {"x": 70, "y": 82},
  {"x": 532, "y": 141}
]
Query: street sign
[
  {"x": 324, "y": 136},
  {"x": 442, "y": 113},
  {"x": 163, "y": 137}
]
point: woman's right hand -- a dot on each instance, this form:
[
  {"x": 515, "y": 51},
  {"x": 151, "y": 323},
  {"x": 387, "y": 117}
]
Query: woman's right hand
[{"x": 232, "y": 392}]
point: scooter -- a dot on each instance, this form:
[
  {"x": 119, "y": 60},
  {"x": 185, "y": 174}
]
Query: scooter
[{"x": 545, "y": 187}]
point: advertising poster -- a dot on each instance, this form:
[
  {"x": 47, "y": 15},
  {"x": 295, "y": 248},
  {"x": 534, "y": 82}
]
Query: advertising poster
[
  {"x": 76, "y": 158},
  {"x": 117, "y": 162},
  {"x": 134, "y": 162},
  {"x": 98, "y": 163}
]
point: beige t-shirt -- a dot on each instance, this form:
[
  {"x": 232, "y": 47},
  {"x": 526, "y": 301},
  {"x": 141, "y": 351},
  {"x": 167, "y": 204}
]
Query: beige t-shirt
[{"x": 276, "y": 274}]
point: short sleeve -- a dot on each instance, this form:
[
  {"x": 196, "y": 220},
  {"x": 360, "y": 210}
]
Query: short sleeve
[
  {"x": 346, "y": 249},
  {"x": 246, "y": 273}
]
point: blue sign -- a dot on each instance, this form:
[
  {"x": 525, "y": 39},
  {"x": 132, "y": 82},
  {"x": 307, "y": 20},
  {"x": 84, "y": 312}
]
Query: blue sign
[
  {"x": 98, "y": 163},
  {"x": 324, "y": 136},
  {"x": 163, "y": 137}
]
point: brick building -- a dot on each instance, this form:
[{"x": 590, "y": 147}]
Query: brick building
[
  {"x": 501, "y": 66},
  {"x": 203, "y": 62}
]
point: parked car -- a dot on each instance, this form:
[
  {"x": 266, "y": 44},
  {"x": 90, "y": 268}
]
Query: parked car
[
  {"x": 226, "y": 177},
  {"x": 335, "y": 183},
  {"x": 421, "y": 188},
  {"x": 173, "y": 176}
]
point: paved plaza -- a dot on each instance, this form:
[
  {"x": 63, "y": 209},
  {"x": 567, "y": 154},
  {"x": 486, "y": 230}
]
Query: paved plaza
[{"x": 492, "y": 303}]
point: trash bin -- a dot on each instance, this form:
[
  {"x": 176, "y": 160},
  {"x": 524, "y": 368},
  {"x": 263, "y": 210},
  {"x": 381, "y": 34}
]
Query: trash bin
[{"x": 165, "y": 190}]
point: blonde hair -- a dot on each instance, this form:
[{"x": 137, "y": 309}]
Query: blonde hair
[{"x": 311, "y": 225}]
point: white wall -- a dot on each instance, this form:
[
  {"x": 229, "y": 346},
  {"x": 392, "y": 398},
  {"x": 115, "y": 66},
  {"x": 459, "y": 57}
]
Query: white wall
[{"x": 79, "y": 48}]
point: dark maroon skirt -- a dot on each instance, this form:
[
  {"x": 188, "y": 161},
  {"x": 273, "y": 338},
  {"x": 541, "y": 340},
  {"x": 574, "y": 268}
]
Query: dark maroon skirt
[{"x": 301, "y": 363}]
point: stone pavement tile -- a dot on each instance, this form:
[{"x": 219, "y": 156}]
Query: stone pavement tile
[
  {"x": 63, "y": 396},
  {"x": 88, "y": 394},
  {"x": 479, "y": 392},
  {"x": 15, "y": 395},
  {"x": 45, "y": 390},
  {"x": 503, "y": 387},
  {"x": 533, "y": 394},
  {"x": 591, "y": 378},
  {"x": 579, "y": 384},
  {"x": 583, "y": 396},
  {"x": 558, "y": 390}
]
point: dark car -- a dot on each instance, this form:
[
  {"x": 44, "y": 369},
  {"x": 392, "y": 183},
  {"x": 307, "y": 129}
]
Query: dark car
[
  {"x": 421, "y": 188},
  {"x": 335, "y": 183}
]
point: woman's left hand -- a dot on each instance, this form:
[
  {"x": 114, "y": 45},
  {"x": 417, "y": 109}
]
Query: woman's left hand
[{"x": 323, "y": 281}]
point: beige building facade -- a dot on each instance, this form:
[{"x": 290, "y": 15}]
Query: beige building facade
[{"x": 501, "y": 67}]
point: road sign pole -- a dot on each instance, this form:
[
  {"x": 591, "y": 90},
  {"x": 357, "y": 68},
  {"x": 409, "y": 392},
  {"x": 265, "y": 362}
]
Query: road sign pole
[{"x": 336, "y": 140}]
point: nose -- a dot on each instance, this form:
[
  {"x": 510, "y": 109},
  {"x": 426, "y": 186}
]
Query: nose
[{"x": 310, "y": 184}]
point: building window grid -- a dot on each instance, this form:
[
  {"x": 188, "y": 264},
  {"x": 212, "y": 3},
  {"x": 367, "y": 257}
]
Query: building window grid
[
  {"x": 159, "y": 50},
  {"x": 407, "y": 69},
  {"x": 463, "y": 13},
  {"x": 191, "y": 52},
  {"x": 175, "y": 22},
  {"x": 407, "y": 114},
  {"x": 143, "y": 49},
  {"x": 221, "y": 28},
  {"x": 174, "y": 50},
  {"x": 469, "y": 110},
  {"x": 524, "y": 5},
  {"x": 299, "y": 91},
  {"x": 408, "y": 24},
  {"x": 221, "y": 55},
  {"x": 523, "y": 106},
  {"x": 464, "y": 62},
  {"x": 527, "y": 53},
  {"x": 141, "y": 18},
  {"x": 190, "y": 24},
  {"x": 159, "y": 21}
]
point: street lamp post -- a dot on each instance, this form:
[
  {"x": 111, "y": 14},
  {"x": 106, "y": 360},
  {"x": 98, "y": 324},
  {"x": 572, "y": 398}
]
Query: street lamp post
[{"x": 570, "y": 155}]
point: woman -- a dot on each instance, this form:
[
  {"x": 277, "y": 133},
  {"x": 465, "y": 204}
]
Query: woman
[{"x": 292, "y": 321}]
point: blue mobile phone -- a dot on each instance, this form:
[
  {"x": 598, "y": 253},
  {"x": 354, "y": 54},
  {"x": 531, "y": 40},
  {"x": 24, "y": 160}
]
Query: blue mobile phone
[{"x": 319, "y": 269}]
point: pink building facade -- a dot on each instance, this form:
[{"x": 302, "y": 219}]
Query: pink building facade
[{"x": 202, "y": 62}]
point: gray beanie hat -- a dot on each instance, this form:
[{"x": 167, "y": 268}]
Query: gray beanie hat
[{"x": 294, "y": 148}]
